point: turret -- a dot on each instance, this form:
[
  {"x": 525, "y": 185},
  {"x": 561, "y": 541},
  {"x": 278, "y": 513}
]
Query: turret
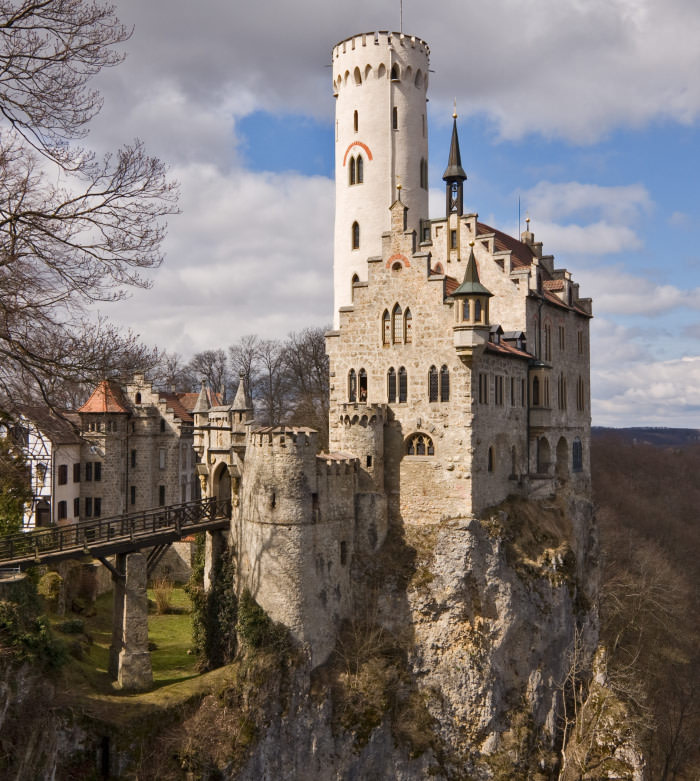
[
  {"x": 381, "y": 141},
  {"x": 454, "y": 176},
  {"x": 471, "y": 328}
]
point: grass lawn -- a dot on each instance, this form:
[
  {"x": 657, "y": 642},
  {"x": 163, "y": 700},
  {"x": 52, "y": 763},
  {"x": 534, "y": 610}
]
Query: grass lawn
[{"x": 171, "y": 635}]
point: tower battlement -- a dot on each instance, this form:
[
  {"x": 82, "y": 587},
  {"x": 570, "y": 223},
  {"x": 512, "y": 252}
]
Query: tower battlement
[{"x": 379, "y": 38}]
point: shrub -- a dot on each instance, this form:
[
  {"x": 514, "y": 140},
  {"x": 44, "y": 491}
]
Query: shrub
[
  {"x": 49, "y": 588},
  {"x": 256, "y": 629},
  {"x": 163, "y": 592},
  {"x": 74, "y": 626}
]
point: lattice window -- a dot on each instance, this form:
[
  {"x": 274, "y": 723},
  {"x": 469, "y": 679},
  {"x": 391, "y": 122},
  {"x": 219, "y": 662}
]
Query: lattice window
[
  {"x": 433, "y": 384},
  {"x": 352, "y": 385},
  {"x": 408, "y": 326},
  {"x": 444, "y": 384},
  {"x": 398, "y": 325},
  {"x": 419, "y": 445},
  {"x": 403, "y": 385},
  {"x": 391, "y": 385},
  {"x": 386, "y": 327}
]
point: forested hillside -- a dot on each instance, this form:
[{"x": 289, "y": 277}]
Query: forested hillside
[{"x": 648, "y": 509}]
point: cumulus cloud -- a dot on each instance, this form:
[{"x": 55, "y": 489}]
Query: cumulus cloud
[{"x": 649, "y": 393}]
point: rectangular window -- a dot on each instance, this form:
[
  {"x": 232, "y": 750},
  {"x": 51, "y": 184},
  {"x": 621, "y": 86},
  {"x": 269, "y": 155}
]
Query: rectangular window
[
  {"x": 62, "y": 511},
  {"x": 161, "y": 458},
  {"x": 88, "y": 507},
  {"x": 562, "y": 338},
  {"x": 98, "y": 507},
  {"x": 483, "y": 388},
  {"x": 62, "y": 474},
  {"x": 132, "y": 492},
  {"x": 499, "y": 390},
  {"x": 88, "y": 471},
  {"x": 98, "y": 471},
  {"x": 453, "y": 239},
  {"x": 395, "y": 118},
  {"x": 580, "y": 342},
  {"x": 522, "y": 393},
  {"x": 161, "y": 495},
  {"x": 512, "y": 391},
  {"x": 76, "y": 473},
  {"x": 76, "y": 507},
  {"x": 133, "y": 459}
]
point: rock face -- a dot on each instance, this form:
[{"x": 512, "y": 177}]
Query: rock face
[{"x": 454, "y": 661}]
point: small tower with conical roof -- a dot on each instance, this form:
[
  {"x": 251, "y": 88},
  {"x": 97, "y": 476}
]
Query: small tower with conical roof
[
  {"x": 454, "y": 176},
  {"x": 471, "y": 328}
]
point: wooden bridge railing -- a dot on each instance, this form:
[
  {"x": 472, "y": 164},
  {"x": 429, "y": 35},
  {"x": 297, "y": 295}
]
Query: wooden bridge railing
[{"x": 92, "y": 535}]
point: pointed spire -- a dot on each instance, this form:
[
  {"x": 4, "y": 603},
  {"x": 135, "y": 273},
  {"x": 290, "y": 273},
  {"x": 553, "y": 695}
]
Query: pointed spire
[
  {"x": 471, "y": 285},
  {"x": 241, "y": 402},
  {"x": 202, "y": 404},
  {"x": 454, "y": 171}
]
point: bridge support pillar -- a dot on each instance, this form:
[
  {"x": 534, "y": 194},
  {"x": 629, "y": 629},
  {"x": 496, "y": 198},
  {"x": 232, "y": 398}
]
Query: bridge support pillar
[
  {"x": 214, "y": 544},
  {"x": 129, "y": 658}
]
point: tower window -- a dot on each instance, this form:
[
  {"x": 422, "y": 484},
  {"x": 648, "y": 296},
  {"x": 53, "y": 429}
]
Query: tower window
[
  {"x": 363, "y": 385},
  {"x": 352, "y": 386},
  {"x": 391, "y": 385},
  {"x": 433, "y": 384},
  {"x": 398, "y": 325},
  {"x": 444, "y": 384},
  {"x": 394, "y": 72},
  {"x": 355, "y": 279},
  {"x": 577, "y": 455},
  {"x": 352, "y": 171},
  {"x": 490, "y": 460},
  {"x": 386, "y": 327},
  {"x": 395, "y": 118},
  {"x": 453, "y": 239},
  {"x": 477, "y": 311},
  {"x": 403, "y": 385},
  {"x": 355, "y": 121},
  {"x": 360, "y": 170},
  {"x": 355, "y": 235},
  {"x": 535, "y": 392},
  {"x": 423, "y": 174}
]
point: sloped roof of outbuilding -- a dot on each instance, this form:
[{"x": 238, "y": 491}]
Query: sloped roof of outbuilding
[{"x": 61, "y": 428}]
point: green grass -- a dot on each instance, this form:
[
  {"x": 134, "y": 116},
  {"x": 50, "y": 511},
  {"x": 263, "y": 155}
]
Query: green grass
[{"x": 171, "y": 633}]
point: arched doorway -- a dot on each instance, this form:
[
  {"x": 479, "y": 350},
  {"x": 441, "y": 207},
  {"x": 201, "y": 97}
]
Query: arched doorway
[
  {"x": 222, "y": 483},
  {"x": 562, "y": 459}
]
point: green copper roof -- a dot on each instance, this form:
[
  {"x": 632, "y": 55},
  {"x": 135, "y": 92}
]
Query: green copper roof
[
  {"x": 471, "y": 285},
  {"x": 454, "y": 170}
]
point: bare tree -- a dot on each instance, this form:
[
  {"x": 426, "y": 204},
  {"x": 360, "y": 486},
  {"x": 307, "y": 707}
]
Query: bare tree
[
  {"x": 271, "y": 386},
  {"x": 306, "y": 368},
  {"x": 245, "y": 361},
  {"x": 74, "y": 229},
  {"x": 171, "y": 371},
  {"x": 212, "y": 366}
]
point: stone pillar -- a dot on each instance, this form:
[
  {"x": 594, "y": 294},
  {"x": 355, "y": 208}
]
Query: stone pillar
[
  {"x": 129, "y": 658},
  {"x": 214, "y": 545}
]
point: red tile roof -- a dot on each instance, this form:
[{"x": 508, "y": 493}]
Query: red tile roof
[
  {"x": 189, "y": 400},
  {"x": 521, "y": 253},
  {"x": 175, "y": 404},
  {"x": 107, "y": 397},
  {"x": 451, "y": 284},
  {"x": 507, "y": 350},
  {"x": 553, "y": 284}
]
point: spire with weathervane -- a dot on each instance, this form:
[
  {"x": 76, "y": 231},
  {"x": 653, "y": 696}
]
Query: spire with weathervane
[{"x": 454, "y": 176}]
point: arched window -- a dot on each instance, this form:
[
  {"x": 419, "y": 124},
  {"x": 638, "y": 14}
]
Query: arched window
[
  {"x": 355, "y": 235},
  {"x": 444, "y": 384},
  {"x": 403, "y": 385},
  {"x": 577, "y": 455},
  {"x": 355, "y": 279},
  {"x": 419, "y": 78},
  {"x": 419, "y": 445},
  {"x": 355, "y": 121},
  {"x": 138, "y": 398},
  {"x": 466, "y": 316},
  {"x": 358, "y": 76},
  {"x": 386, "y": 327},
  {"x": 490, "y": 460},
  {"x": 580, "y": 395},
  {"x": 423, "y": 173},
  {"x": 433, "y": 384},
  {"x": 363, "y": 385},
  {"x": 352, "y": 386},
  {"x": 394, "y": 72},
  {"x": 395, "y": 118},
  {"x": 391, "y": 385},
  {"x": 398, "y": 325},
  {"x": 360, "y": 170},
  {"x": 352, "y": 175},
  {"x": 477, "y": 311},
  {"x": 536, "y": 392},
  {"x": 408, "y": 326}
]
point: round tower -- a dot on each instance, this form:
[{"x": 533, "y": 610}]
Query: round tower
[{"x": 380, "y": 82}]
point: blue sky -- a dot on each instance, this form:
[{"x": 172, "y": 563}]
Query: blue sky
[{"x": 586, "y": 111}]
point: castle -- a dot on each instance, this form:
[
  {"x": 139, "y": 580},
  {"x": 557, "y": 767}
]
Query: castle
[{"x": 459, "y": 363}]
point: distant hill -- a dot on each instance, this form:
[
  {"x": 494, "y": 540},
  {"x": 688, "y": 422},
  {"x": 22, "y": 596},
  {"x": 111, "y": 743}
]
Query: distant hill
[{"x": 661, "y": 437}]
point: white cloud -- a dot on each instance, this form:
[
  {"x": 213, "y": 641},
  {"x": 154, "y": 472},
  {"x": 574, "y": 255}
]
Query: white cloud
[
  {"x": 649, "y": 393},
  {"x": 554, "y": 201}
]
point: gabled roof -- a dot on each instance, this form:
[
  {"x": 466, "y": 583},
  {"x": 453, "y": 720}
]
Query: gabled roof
[
  {"x": 178, "y": 409},
  {"x": 521, "y": 253},
  {"x": 107, "y": 397},
  {"x": 189, "y": 400},
  {"x": 60, "y": 428},
  {"x": 507, "y": 350}
]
